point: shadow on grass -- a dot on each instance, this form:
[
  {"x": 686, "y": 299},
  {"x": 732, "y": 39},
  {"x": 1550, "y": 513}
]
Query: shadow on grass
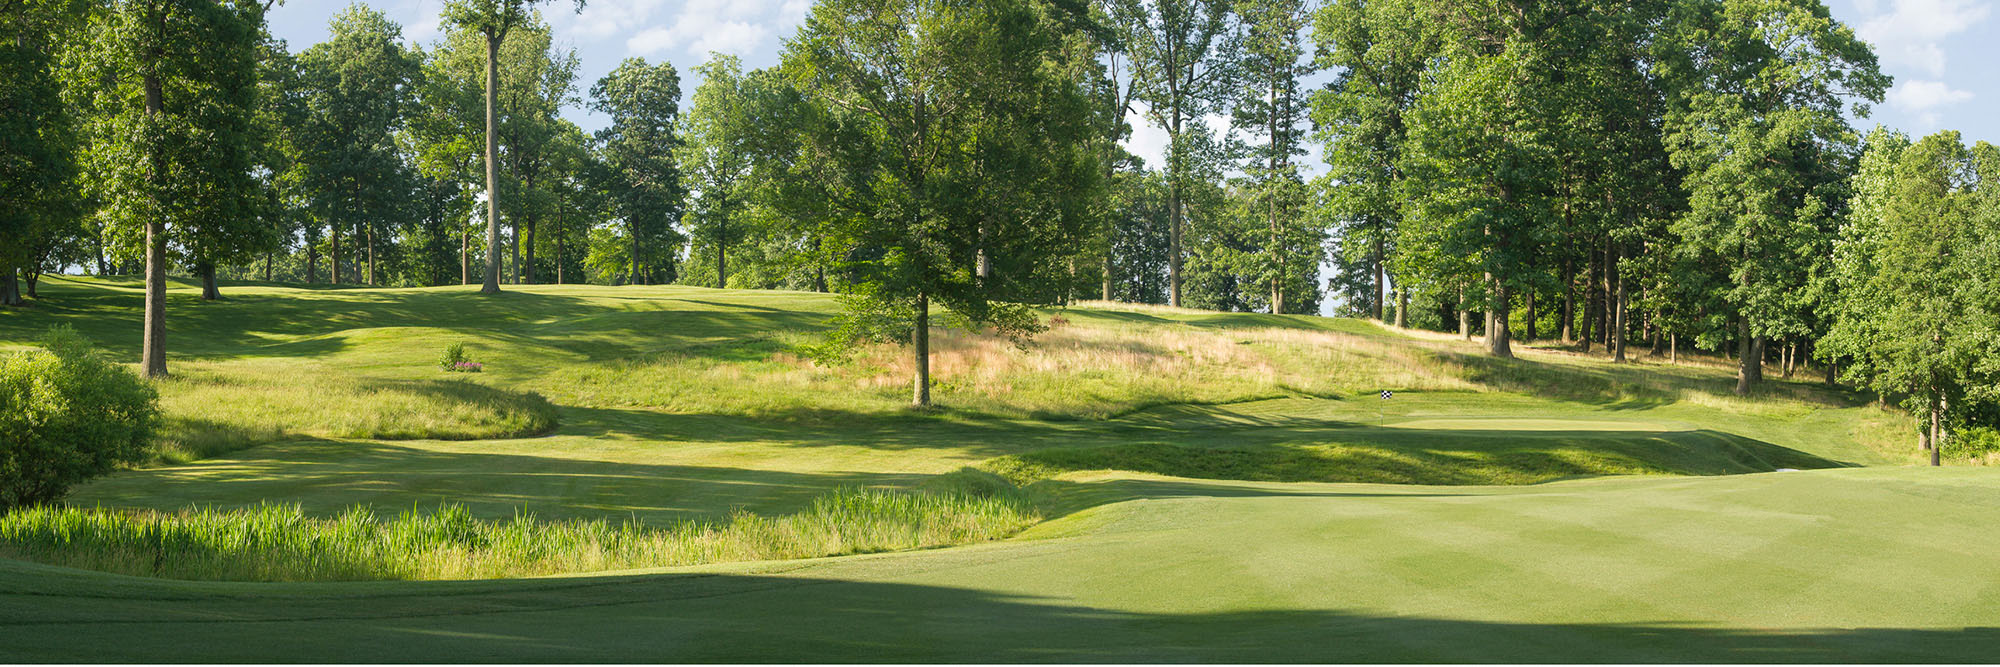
[
  {"x": 244, "y": 324},
  {"x": 740, "y": 618},
  {"x": 325, "y": 476},
  {"x": 1634, "y": 386}
]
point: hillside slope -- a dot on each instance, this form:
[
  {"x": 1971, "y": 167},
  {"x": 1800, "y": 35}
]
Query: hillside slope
[{"x": 668, "y": 403}]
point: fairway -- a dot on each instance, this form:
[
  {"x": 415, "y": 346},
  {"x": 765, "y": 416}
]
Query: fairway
[
  {"x": 1260, "y": 502},
  {"x": 1828, "y": 566}
]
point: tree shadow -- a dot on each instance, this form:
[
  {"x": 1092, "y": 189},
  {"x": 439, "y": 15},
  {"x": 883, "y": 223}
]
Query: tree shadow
[
  {"x": 326, "y": 476},
  {"x": 695, "y": 618}
]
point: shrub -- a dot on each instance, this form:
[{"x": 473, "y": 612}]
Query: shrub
[
  {"x": 1971, "y": 443},
  {"x": 66, "y": 416},
  {"x": 454, "y": 356}
]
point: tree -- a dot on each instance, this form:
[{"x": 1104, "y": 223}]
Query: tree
[
  {"x": 638, "y": 149},
  {"x": 1919, "y": 315},
  {"x": 492, "y": 19},
  {"x": 37, "y": 140},
  {"x": 715, "y": 156},
  {"x": 444, "y": 131},
  {"x": 171, "y": 128},
  {"x": 1184, "y": 60},
  {"x": 957, "y": 157},
  {"x": 1379, "y": 50},
  {"x": 359, "y": 83},
  {"x": 1760, "y": 132},
  {"x": 1271, "y": 106},
  {"x": 539, "y": 80}
]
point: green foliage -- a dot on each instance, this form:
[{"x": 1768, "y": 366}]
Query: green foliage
[
  {"x": 67, "y": 416},
  {"x": 960, "y": 154},
  {"x": 454, "y": 354},
  {"x": 1919, "y": 316},
  {"x": 281, "y": 543},
  {"x": 641, "y": 173},
  {"x": 715, "y": 156}
]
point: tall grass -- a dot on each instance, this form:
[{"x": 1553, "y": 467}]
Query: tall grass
[
  {"x": 282, "y": 543},
  {"x": 1080, "y": 371}
]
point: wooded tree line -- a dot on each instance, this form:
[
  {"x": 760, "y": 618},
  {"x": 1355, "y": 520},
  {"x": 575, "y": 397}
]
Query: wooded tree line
[{"x": 1667, "y": 173}]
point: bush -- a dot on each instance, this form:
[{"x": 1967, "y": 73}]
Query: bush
[
  {"x": 67, "y": 416},
  {"x": 454, "y": 356}
]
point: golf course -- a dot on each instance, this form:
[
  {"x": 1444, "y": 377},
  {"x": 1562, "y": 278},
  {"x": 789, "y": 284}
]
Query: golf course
[{"x": 1135, "y": 484}]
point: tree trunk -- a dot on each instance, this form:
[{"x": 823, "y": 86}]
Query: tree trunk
[
  {"x": 1588, "y": 317},
  {"x": 528, "y": 269},
  {"x": 10, "y": 287},
  {"x": 1402, "y": 307},
  {"x": 1173, "y": 196},
  {"x": 1381, "y": 282},
  {"x": 1936, "y": 440},
  {"x": 1750, "y": 367},
  {"x": 638, "y": 269},
  {"x": 465, "y": 256},
  {"x": 267, "y": 266},
  {"x": 1499, "y": 342},
  {"x": 722, "y": 259},
  {"x": 208, "y": 290},
  {"x": 333, "y": 254},
  {"x": 153, "y": 355},
  {"x": 369, "y": 230},
  {"x": 1174, "y": 243},
  {"x": 492, "y": 284},
  {"x": 1619, "y": 325},
  {"x": 920, "y": 338},
  {"x": 1107, "y": 271},
  {"x": 1569, "y": 302},
  {"x": 1531, "y": 315},
  {"x": 559, "y": 257},
  {"x": 1464, "y": 317}
]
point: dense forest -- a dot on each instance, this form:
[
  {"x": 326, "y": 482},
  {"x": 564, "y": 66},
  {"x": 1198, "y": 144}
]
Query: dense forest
[{"x": 1666, "y": 174}]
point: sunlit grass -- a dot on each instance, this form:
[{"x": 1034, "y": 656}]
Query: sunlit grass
[
  {"x": 214, "y": 407},
  {"x": 276, "y": 542}
]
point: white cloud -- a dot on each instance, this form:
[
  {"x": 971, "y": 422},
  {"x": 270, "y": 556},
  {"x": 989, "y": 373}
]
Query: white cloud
[
  {"x": 739, "y": 27},
  {"x": 1907, "y": 32},
  {"x": 1922, "y": 99}
]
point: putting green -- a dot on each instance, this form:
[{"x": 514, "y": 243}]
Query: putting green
[{"x": 1817, "y": 566}]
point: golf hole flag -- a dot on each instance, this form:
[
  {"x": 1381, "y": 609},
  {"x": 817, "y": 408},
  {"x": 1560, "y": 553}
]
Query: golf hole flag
[{"x": 1386, "y": 394}]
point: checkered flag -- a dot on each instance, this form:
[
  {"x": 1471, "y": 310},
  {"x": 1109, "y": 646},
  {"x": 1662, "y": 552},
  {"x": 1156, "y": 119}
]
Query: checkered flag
[{"x": 1386, "y": 394}]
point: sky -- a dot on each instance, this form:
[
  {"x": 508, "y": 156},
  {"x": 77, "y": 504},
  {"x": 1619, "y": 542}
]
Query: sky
[{"x": 1941, "y": 52}]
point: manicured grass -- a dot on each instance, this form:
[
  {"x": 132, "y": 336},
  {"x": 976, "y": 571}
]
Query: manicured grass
[{"x": 1816, "y": 566}]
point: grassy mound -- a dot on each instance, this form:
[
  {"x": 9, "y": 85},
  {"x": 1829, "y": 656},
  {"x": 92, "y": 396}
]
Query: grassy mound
[
  {"x": 217, "y": 407},
  {"x": 282, "y": 543}
]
